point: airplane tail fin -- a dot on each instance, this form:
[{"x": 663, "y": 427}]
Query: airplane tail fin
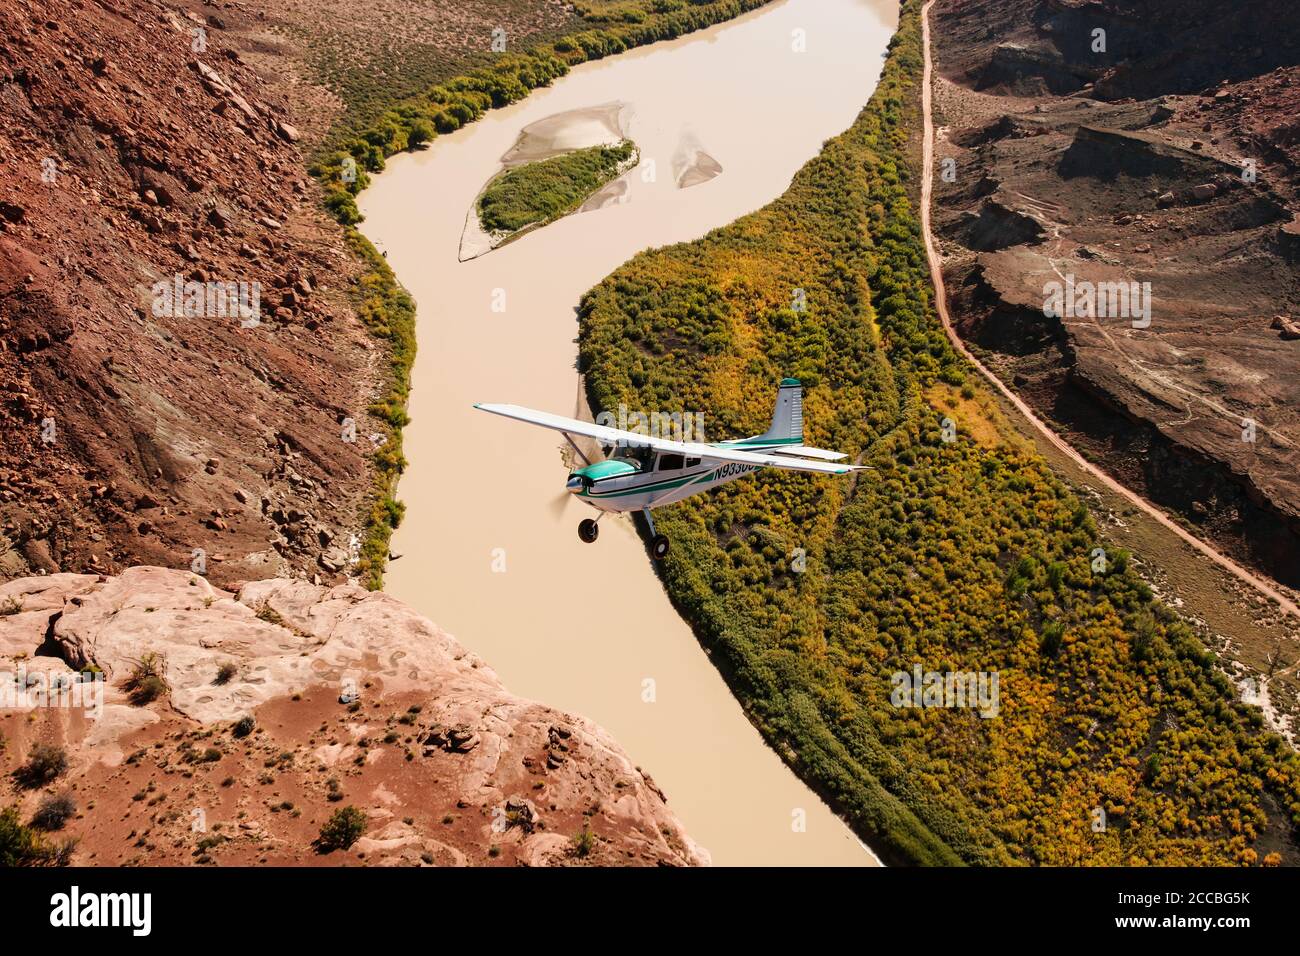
[
  {"x": 785, "y": 436},
  {"x": 787, "y": 417}
]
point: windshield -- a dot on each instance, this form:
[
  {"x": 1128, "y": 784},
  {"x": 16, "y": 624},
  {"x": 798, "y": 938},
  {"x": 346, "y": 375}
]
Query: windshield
[{"x": 639, "y": 457}]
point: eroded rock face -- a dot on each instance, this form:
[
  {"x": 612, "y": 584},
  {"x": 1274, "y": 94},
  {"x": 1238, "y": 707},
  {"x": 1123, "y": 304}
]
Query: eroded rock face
[
  {"x": 1174, "y": 173},
  {"x": 145, "y": 164},
  {"x": 327, "y": 673}
]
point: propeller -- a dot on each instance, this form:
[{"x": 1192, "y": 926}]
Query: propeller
[{"x": 558, "y": 503}]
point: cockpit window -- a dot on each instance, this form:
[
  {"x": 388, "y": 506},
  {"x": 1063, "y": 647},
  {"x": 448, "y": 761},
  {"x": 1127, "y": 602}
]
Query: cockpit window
[
  {"x": 671, "y": 463},
  {"x": 637, "y": 455}
]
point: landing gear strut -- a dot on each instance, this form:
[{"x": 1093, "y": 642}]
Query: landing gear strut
[
  {"x": 658, "y": 542},
  {"x": 588, "y": 530}
]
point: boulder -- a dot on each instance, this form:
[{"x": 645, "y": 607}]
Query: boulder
[{"x": 1289, "y": 328}]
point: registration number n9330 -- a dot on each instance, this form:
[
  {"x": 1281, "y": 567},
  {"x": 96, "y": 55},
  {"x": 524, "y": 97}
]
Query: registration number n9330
[{"x": 733, "y": 468}]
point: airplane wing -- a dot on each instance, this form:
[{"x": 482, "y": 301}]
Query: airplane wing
[
  {"x": 797, "y": 451},
  {"x": 613, "y": 436}
]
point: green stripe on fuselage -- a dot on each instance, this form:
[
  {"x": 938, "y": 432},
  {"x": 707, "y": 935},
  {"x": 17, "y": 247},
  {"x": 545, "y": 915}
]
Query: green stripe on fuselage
[{"x": 649, "y": 486}]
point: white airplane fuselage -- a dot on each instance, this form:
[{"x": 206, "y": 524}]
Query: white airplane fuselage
[
  {"x": 649, "y": 471},
  {"x": 623, "y": 484}
]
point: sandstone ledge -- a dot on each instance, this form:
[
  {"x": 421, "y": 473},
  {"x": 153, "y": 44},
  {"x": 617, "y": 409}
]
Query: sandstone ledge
[{"x": 516, "y": 776}]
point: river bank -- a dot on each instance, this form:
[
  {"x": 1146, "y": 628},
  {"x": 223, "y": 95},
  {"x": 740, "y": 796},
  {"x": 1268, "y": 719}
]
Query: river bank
[{"x": 489, "y": 536}]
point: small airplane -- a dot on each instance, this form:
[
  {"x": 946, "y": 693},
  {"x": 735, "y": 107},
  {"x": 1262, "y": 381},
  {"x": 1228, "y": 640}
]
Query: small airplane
[{"x": 647, "y": 472}]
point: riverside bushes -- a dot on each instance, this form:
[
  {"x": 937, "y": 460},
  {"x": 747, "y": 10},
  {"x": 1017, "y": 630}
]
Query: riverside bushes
[
  {"x": 1117, "y": 741},
  {"x": 545, "y": 190},
  {"x": 388, "y": 311}
]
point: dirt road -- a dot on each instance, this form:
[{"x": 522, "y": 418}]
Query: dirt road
[{"x": 941, "y": 306}]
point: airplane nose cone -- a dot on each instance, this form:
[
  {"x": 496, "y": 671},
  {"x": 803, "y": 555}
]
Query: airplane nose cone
[{"x": 574, "y": 484}]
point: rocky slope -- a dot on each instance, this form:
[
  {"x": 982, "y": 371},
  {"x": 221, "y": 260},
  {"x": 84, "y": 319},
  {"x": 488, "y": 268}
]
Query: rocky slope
[
  {"x": 355, "y": 700},
  {"x": 1168, "y": 158},
  {"x": 134, "y": 432},
  {"x": 154, "y": 142}
]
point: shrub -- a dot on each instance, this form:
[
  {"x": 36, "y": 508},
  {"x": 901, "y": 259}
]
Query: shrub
[
  {"x": 1050, "y": 643},
  {"x": 584, "y": 842},
  {"x": 145, "y": 682},
  {"x": 225, "y": 673},
  {"x": 421, "y": 131},
  {"x": 270, "y": 615},
  {"x": 244, "y": 726},
  {"x": 44, "y": 764},
  {"x": 22, "y": 846},
  {"x": 341, "y": 830},
  {"x": 343, "y": 206},
  {"x": 148, "y": 690},
  {"x": 54, "y": 811}
]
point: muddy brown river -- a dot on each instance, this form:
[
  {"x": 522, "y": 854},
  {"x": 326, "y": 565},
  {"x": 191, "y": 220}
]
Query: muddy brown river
[{"x": 489, "y": 548}]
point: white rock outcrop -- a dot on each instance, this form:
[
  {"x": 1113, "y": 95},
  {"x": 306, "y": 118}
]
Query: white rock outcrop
[{"x": 282, "y": 637}]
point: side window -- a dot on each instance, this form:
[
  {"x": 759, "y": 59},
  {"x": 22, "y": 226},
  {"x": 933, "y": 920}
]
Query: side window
[
  {"x": 692, "y": 462},
  {"x": 670, "y": 462}
]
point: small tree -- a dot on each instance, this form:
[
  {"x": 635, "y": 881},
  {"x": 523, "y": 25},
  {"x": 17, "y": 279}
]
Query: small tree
[
  {"x": 341, "y": 830},
  {"x": 420, "y": 131}
]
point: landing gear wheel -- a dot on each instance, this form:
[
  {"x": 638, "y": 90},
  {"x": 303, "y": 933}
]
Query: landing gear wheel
[
  {"x": 658, "y": 547},
  {"x": 588, "y": 530}
]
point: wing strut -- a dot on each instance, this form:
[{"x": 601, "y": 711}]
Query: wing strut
[{"x": 580, "y": 452}]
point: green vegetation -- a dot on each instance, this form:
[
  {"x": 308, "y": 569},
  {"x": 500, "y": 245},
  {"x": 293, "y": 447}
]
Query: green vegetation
[
  {"x": 965, "y": 555},
  {"x": 351, "y": 152},
  {"x": 341, "y": 830},
  {"x": 22, "y": 846},
  {"x": 424, "y": 95},
  {"x": 371, "y": 66},
  {"x": 543, "y": 191},
  {"x": 388, "y": 311},
  {"x": 583, "y": 842},
  {"x": 146, "y": 682}
]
